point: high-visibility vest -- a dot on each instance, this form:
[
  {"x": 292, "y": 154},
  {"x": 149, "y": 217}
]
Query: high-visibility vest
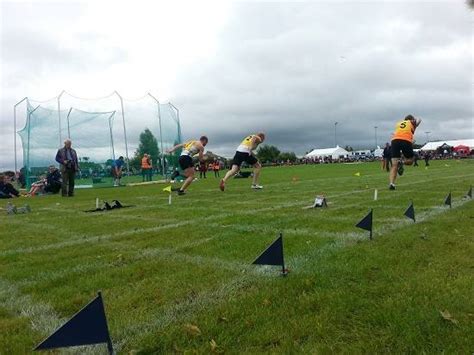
[
  {"x": 145, "y": 163},
  {"x": 404, "y": 130}
]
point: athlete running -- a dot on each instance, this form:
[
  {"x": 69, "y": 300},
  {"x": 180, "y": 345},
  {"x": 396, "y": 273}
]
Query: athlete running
[
  {"x": 245, "y": 153},
  {"x": 402, "y": 144},
  {"x": 190, "y": 149}
]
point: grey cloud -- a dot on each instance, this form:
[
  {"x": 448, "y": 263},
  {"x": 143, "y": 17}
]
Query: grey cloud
[{"x": 294, "y": 69}]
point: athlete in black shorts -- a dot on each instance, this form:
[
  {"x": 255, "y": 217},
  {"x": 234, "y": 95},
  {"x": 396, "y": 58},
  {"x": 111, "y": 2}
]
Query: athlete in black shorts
[
  {"x": 190, "y": 148},
  {"x": 244, "y": 153},
  {"x": 402, "y": 146}
]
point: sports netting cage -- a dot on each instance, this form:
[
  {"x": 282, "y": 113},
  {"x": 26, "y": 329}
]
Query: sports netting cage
[{"x": 101, "y": 130}]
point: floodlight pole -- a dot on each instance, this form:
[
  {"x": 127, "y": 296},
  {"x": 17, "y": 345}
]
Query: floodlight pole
[
  {"x": 124, "y": 131},
  {"x": 375, "y": 128},
  {"x": 427, "y": 137},
  {"x": 59, "y": 117},
  {"x": 161, "y": 136},
  {"x": 335, "y": 134},
  {"x": 14, "y": 131}
]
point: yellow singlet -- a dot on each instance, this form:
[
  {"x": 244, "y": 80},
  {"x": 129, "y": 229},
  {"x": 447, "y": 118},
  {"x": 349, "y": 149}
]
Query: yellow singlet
[
  {"x": 246, "y": 145},
  {"x": 190, "y": 148}
]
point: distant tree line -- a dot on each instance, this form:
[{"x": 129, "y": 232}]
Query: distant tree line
[{"x": 270, "y": 154}]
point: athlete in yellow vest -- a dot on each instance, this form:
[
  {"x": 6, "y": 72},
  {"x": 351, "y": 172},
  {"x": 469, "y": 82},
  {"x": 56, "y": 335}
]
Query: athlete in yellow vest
[
  {"x": 244, "y": 153},
  {"x": 402, "y": 143},
  {"x": 190, "y": 149}
]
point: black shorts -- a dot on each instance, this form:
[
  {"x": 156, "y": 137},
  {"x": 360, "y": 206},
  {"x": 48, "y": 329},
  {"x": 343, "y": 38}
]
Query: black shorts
[
  {"x": 241, "y": 157},
  {"x": 400, "y": 146},
  {"x": 185, "y": 162}
]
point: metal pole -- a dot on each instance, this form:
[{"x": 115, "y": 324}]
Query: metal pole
[
  {"x": 335, "y": 134},
  {"x": 179, "y": 122},
  {"x": 68, "y": 125},
  {"x": 28, "y": 151},
  {"x": 59, "y": 117},
  {"x": 375, "y": 127},
  {"x": 14, "y": 131},
  {"x": 111, "y": 135},
  {"x": 161, "y": 136},
  {"x": 427, "y": 136},
  {"x": 124, "y": 131}
]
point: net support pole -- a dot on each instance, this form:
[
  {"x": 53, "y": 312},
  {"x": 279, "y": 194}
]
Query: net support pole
[
  {"x": 161, "y": 136},
  {"x": 28, "y": 185},
  {"x": 179, "y": 123},
  {"x": 68, "y": 125},
  {"x": 111, "y": 135},
  {"x": 124, "y": 131},
  {"x": 14, "y": 132},
  {"x": 59, "y": 119}
]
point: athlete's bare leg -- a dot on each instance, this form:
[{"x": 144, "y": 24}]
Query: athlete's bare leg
[
  {"x": 393, "y": 170},
  {"x": 231, "y": 173},
  {"x": 189, "y": 173},
  {"x": 257, "y": 167}
]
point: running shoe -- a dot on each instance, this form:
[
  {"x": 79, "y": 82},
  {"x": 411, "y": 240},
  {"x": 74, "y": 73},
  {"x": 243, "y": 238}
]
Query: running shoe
[{"x": 400, "y": 168}]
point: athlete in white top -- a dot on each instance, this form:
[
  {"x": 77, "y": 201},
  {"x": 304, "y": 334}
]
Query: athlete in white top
[
  {"x": 190, "y": 149},
  {"x": 245, "y": 153}
]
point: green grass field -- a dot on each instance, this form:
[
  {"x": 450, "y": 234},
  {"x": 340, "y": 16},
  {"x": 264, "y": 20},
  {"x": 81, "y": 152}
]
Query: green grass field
[{"x": 178, "y": 278}]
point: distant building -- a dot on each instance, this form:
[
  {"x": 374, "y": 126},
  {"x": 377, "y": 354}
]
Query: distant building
[
  {"x": 336, "y": 153},
  {"x": 432, "y": 146}
]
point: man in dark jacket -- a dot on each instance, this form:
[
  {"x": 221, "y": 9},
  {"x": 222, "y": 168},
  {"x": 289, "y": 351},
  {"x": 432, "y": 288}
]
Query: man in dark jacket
[
  {"x": 387, "y": 156},
  {"x": 67, "y": 158},
  {"x": 53, "y": 181}
]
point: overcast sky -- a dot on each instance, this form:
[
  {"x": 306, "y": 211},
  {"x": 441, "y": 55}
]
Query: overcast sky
[{"x": 290, "y": 69}]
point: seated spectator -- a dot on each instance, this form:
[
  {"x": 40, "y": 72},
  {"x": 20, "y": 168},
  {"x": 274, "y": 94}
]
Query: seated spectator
[
  {"x": 37, "y": 187},
  {"x": 6, "y": 189},
  {"x": 53, "y": 180}
]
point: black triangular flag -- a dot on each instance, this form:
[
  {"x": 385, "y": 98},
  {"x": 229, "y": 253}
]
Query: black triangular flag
[
  {"x": 469, "y": 193},
  {"x": 410, "y": 212},
  {"x": 447, "y": 201},
  {"x": 117, "y": 204},
  {"x": 366, "y": 223},
  {"x": 86, "y": 327},
  {"x": 273, "y": 255}
]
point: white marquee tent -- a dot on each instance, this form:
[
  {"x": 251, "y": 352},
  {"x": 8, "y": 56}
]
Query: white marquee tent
[
  {"x": 454, "y": 143},
  {"x": 335, "y": 153}
]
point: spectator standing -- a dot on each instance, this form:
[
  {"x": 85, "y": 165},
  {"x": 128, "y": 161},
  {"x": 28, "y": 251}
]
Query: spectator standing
[
  {"x": 67, "y": 158},
  {"x": 202, "y": 169},
  {"x": 216, "y": 168},
  {"x": 387, "y": 157},
  {"x": 146, "y": 168},
  {"x": 427, "y": 158},
  {"x": 117, "y": 167}
]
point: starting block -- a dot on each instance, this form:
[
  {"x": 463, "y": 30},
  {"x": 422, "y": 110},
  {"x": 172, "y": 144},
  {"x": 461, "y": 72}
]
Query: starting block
[{"x": 319, "y": 201}]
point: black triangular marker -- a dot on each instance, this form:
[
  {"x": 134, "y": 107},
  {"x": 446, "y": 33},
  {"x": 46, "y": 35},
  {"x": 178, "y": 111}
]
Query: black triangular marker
[
  {"x": 410, "y": 212},
  {"x": 86, "y": 327},
  {"x": 366, "y": 223},
  {"x": 447, "y": 201},
  {"x": 469, "y": 193},
  {"x": 273, "y": 255},
  {"x": 117, "y": 204}
]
